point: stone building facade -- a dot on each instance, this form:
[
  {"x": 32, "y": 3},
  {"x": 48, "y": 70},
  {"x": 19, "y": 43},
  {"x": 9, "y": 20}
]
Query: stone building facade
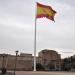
[
  {"x": 50, "y": 59},
  {"x": 24, "y": 62}
]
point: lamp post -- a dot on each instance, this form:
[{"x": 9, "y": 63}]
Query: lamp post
[
  {"x": 15, "y": 61},
  {"x": 3, "y": 60},
  {"x": 3, "y": 70}
]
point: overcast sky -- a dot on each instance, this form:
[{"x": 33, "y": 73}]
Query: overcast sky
[{"x": 17, "y": 21}]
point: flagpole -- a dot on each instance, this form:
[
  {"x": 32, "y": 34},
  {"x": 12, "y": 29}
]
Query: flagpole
[
  {"x": 35, "y": 47},
  {"x": 35, "y": 42}
]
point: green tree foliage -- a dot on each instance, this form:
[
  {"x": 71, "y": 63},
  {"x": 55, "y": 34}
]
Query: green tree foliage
[
  {"x": 39, "y": 67},
  {"x": 69, "y": 63}
]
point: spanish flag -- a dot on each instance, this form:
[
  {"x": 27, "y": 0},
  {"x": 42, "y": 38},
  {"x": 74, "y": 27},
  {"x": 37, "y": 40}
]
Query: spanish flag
[{"x": 45, "y": 11}]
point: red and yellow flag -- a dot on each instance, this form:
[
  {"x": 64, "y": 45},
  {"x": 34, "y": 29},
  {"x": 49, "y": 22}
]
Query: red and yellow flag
[{"x": 45, "y": 11}]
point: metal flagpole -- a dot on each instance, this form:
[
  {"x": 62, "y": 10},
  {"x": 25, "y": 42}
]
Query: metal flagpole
[
  {"x": 35, "y": 42},
  {"x": 52, "y": 13}
]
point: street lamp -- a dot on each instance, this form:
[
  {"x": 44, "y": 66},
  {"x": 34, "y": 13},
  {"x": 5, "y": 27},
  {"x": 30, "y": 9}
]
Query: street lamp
[
  {"x": 15, "y": 61},
  {"x": 3, "y": 55},
  {"x": 3, "y": 70}
]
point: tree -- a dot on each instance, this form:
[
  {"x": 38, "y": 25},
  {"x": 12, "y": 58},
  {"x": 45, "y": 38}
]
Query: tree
[{"x": 39, "y": 67}]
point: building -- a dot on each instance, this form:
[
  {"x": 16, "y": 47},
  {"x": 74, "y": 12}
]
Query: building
[
  {"x": 50, "y": 59},
  {"x": 23, "y": 62},
  {"x": 73, "y": 56}
]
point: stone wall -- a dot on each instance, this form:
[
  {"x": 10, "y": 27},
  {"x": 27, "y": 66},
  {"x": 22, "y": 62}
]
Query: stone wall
[{"x": 22, "y": 63}]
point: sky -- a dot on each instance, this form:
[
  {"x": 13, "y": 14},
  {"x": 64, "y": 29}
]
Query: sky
[{"x": 17, "y": 23}]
